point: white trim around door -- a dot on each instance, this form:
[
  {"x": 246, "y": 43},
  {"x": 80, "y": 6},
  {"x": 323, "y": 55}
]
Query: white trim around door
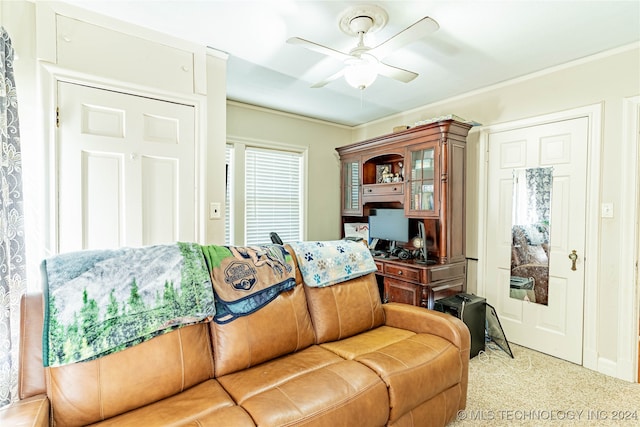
[
  {"x": 629, "y": 308},
  {"x": 594, "y": 115},
  {"x": 50, "y": 76}
]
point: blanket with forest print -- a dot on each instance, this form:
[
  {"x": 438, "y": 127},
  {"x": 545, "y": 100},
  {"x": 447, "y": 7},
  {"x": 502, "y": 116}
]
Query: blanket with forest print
[{"x": 98, "y": 302}]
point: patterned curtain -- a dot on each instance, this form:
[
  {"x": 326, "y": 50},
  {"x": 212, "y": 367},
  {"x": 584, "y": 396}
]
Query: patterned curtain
[
  {"x": 539, "y": 184},
  {"x": 12, "y": 260}
]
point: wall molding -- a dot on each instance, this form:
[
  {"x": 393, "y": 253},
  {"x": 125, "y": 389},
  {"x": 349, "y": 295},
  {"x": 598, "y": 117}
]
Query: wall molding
[
  {"x": 608, "y": 367},
  {"x": 268, "y": 110},
  {"x": 400, "y": 116}
]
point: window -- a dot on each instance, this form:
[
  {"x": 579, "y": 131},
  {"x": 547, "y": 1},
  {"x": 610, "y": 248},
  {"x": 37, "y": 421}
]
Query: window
[
  {"x": 264, "y": 193},
  {"x": 228, "y": 212},
  {"x": 273, "y": 195}
]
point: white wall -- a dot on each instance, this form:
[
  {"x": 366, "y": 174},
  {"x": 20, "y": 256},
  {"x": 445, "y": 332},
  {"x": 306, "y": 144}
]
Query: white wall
[
  {"x": 605, "y": 79},
  {"x": 214, "y": 168},
  {"x": 32, "y": 27}
]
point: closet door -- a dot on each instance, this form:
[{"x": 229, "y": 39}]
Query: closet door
[{"x": 126, "y": 170}]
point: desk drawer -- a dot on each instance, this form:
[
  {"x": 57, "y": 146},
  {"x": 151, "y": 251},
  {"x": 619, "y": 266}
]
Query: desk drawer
[
  {"x": 382, "y": 189},
  {"x": 393, "y": 192},
  {"x": 406, "y": 273},
  {"x": 445, "y": 272},
  {"x": 448, "y": 288}
]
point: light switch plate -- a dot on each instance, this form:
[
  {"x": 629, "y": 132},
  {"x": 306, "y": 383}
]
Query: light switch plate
[
  {"x": 607, "y": 210},
  {"x": 214, "y": 210}
]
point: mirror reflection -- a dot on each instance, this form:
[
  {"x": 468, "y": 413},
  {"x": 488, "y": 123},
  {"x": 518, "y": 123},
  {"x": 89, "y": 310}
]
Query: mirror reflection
[{"x": 530, "y": 234}]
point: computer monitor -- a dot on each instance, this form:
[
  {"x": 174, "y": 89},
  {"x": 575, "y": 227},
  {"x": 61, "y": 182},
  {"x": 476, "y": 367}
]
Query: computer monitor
[{"x": 389, "y": 224}]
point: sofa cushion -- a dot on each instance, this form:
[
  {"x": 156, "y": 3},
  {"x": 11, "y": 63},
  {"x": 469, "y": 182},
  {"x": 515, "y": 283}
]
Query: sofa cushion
[
  {"x": 31, "y": 370},
  {"x": 87, "y": 392},
  {"x": 283, "y": 326},
  {"x": 345, "y": 309},
  {"x": 310, "y": 387},
  {"x": 367, "y": 342},
  {"x": 415, "y": 367},
  {"x": 206, "y": 404}
]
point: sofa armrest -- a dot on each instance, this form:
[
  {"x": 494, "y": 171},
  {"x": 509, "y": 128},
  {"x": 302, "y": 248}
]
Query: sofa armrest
[
  {"x": 421, "y": 320},
  {"x": 33, "y": 411}
]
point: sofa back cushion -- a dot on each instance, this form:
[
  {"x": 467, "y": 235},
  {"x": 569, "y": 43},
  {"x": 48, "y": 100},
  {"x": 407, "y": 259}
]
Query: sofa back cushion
[
  {"x": 31, "y": 379},
  {"x": 348, "y": 308},
  {"x": 87, "y": 392},
  {"x": 281, "y": 327}
]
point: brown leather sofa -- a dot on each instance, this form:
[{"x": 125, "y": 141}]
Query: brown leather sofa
[{"x": 331, "y": 356}]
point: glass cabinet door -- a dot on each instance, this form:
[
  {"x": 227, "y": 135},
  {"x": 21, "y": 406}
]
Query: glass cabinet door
[
  {"x": 351, "y": 203},
  {"x": 424, "y": 180}
]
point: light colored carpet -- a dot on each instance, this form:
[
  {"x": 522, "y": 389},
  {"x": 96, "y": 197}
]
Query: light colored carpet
[{"x": 535, "y": 389}]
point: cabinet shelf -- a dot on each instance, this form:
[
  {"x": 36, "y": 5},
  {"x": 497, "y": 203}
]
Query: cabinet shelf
[{"x": 383, "y": 169}]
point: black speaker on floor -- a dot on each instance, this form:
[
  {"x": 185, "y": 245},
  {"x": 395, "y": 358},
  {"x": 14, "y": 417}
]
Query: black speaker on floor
[{"x": 471, "y": 309}]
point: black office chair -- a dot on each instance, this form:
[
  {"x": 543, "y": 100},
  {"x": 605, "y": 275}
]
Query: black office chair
[{"x": 275, "y": 238}]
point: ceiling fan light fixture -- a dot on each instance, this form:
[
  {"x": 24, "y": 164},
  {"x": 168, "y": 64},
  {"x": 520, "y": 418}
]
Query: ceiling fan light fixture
[
  {"x": 361, "y": 64},
  {"x": 361, "y": 72}
]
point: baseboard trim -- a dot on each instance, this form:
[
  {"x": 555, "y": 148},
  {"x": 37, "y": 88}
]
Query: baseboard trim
[{"x": 608, "y": 367}]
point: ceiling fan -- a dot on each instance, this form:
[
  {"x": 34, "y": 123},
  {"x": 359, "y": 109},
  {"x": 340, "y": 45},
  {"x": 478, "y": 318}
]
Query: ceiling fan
[{"x": 363, "y": 64}]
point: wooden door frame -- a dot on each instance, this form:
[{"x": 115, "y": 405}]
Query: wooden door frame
[
  {"x": 50, "y": 76},
  {"x": 594, "y": 115}
]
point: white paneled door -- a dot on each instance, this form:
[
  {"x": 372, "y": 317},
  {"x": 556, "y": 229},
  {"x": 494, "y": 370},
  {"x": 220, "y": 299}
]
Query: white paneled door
[
  {"x": 126, "y": 169},
  {"x": 556, "y": 328}
]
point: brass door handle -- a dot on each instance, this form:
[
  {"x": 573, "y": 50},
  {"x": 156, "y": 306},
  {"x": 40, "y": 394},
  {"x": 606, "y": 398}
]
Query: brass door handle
[{"x": 573, "y": 256}]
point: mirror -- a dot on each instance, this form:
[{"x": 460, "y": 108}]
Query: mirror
[{"x": 530, "y": 234}]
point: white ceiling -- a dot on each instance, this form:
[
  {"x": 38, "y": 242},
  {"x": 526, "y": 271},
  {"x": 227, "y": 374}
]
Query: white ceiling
[{"x": 479, "y": 43}]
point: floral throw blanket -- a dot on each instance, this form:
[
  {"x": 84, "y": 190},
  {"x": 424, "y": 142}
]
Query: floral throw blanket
[
  {"x": 98, "y": 302},
  {"x": 330, "y": 262},
  {"x": 247, "y": 278}
]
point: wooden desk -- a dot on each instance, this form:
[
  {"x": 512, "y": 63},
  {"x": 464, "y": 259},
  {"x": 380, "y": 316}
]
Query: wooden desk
[{"x": 410, "y": 282}]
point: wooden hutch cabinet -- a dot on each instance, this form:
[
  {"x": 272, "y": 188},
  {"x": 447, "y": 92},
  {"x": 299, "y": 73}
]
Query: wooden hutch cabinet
[{"x": 421, "y": 170}]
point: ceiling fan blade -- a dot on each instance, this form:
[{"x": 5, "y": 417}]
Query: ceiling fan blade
[
  {"x": 396, "y": 73},
  {"x": 318, "y": 48},
  {"x": 420, "y": 29},
  {"x": 329, "y": 79}
]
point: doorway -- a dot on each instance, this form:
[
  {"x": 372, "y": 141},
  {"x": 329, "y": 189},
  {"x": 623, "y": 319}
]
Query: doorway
[{"x": 549, "y": 320}]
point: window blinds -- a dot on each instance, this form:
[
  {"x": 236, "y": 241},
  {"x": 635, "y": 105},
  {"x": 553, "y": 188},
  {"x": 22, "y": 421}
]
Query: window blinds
[{"x": 273, "y": 195}]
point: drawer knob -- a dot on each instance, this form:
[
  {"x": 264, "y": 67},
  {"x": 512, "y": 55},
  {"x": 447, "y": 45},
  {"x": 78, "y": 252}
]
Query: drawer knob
[{"x": 400, "y": 273}]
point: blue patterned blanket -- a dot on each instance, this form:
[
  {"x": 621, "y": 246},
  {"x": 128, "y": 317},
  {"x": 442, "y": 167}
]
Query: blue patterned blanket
[
  {"x": 102, "y": 301},
  {"x": 247, "y": 278},
  {"x": 330, "y": 262}
]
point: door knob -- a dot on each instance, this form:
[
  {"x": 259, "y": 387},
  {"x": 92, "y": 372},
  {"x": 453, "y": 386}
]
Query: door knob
[{"x": 573, "y": 256}]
